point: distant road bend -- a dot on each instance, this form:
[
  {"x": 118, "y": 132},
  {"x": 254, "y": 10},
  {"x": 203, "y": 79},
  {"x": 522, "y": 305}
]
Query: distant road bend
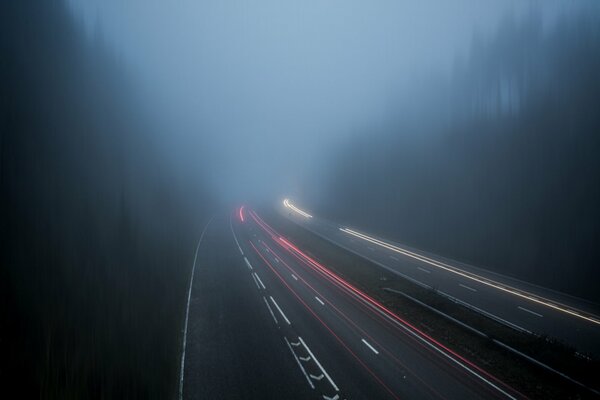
[
  {"x": 518, "y": 304},
  {"x": 266, "y": 320}
]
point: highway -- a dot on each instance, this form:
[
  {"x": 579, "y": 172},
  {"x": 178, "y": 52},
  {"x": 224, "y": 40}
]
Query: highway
[
  {"x": 515, "y": 303},
  {"x": 268, "y": 321}
]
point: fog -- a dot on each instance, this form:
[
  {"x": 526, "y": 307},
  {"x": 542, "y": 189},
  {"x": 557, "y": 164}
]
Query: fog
[
  {"x": 264, "y": 94},
  {"x": 467, "y": 129}
]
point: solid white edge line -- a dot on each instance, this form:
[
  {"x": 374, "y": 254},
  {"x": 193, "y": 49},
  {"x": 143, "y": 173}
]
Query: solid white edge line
[
  {"x": 529, "y": 311},
  {"x": 270, "y": 310},
  {"x": 280, "y": 311},
  {"x": 298, "y": 361},
  {"x": 320, "y": 301},
  {"x": 369, "y": 346},
  {"x": 260, "y": 281},
  {"x": 187, "y": 308},
  {"x": 248, "y": 263},
  {"x": 319, "y": 365}
]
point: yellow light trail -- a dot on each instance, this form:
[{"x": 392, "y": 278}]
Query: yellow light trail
[{"x": 476, "y": 278}]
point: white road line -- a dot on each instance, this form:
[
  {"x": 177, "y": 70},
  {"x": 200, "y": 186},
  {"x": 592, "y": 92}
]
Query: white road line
[
  {"x": 319, "y": 365},
  {"x": 320, "y": 301},
  {"x": 270, "y": 310},
  {"x": 424, "y": 270},
  {"x": 529, "y": 311},
  {"x": 187, "y": 308},
  {"x": 467, "y": 287},
  {"x": 276, "y": 259},
  {"x": 259, "y": 281},
  {"x": 299, "y": 363},
  {"x": 369, "y": 346},
  {"x": 281, "y": 312},
  {"x": 445, "y": 354},
  {"x": 294, "y": 276},
  {"x": 486, "y": 313},
  {"x": 255, "y": 281},
  {"x": 394, "y": 258},
  {"x": 248, "y": 263},
  {"x": 480, "y": 279}
]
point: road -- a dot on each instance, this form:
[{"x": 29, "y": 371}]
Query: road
[
  {"x": 518, "y": 304},
  {"x": 267, "y": 321}
]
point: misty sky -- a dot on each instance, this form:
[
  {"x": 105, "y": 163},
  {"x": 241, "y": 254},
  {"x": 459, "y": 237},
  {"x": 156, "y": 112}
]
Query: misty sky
[{"x": 260, "y": 91}]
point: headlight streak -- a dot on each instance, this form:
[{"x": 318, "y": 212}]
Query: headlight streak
[
  {"x": 474, "y": 277},
  {"x": 288, "y": 204},
  {"x": 242, "y": 213}
]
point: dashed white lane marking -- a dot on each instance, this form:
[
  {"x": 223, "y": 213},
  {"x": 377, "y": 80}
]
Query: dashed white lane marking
[
  {"x": 276, "y": 259},
  {"x": 248, "y": 263},
  {"x": 481, "y": 311},
  {"x": 280, "y": 311},
  {"x": 270, "y": 310},
  {"x": 255, "y": 281},
  {"x": 369, "y": 346},
  {"x": 319, "y": 365},
  {"x": 260, "y": 281},
  {"x": 294, "y": 276},
  {"x": 529, "y": 311},
  {"x": 320, "y": 301},
  {"x": 424, "y": 270},
  {"x": 467, "y": 287},
  {"x": 298, "y": 361},
  {"x": 395, "y": 258}
]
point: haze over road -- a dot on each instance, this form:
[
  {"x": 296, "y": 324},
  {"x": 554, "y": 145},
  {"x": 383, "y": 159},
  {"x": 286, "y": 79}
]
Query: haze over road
[
  {"x": 513, "y": 302},
  {"x": 266, "y": 321}
]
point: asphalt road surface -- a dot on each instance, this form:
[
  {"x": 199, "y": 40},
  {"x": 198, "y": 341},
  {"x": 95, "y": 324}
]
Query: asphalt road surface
[
  {"x": 518, "y": 304},
  {"x": 266, "y": 321}
]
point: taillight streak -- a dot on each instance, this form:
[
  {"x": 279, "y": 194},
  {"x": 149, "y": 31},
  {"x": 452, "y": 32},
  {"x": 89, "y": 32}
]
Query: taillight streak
[
  {"x": 351, "y": 322},
  {"x": 337, "y": 338},
  {"x": 449, "y": 353}
]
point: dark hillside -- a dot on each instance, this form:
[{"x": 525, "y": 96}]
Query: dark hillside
[
  {"x": 95, "y": 251},
  {"x": 504, "y": 172}
]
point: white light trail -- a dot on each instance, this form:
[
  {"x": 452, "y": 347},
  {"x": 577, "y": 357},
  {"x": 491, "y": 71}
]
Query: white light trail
[
  {"x": 475, "y": 277},
  {"x": 288, "y": 204}
]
